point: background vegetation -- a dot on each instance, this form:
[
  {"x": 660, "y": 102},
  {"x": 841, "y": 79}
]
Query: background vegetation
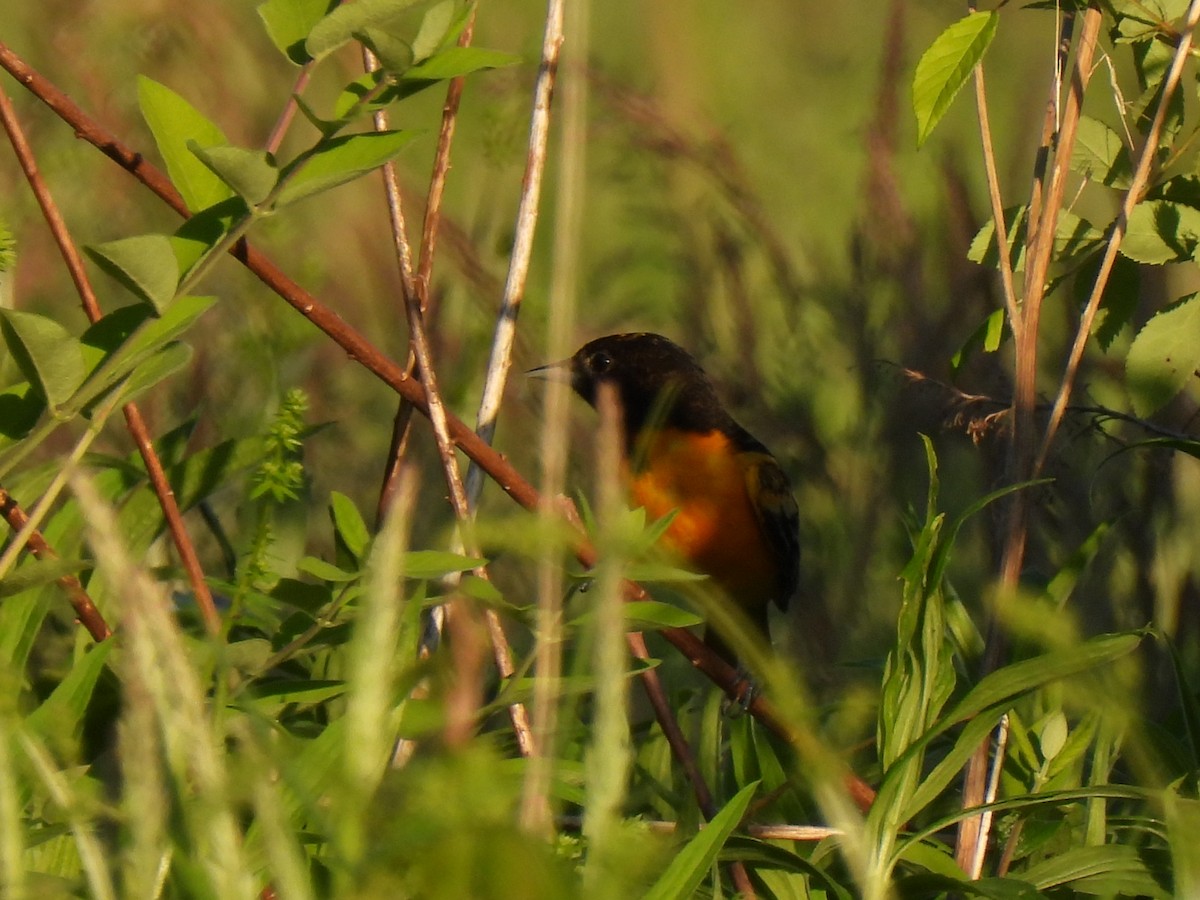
[{"x": 747, "y": 181}]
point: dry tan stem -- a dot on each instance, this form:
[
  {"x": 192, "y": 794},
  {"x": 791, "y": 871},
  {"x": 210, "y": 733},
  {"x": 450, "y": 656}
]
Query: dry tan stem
[
  {"x": 500, "y": 359},
  {"x": 133, "y": 417},
  {"x": 1137, "y": 186}
]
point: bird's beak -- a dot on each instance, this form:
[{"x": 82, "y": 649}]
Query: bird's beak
[{"x": 556, "y": 371}]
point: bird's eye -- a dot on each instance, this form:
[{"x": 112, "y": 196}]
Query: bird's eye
[{"x": 599, "y": 362}]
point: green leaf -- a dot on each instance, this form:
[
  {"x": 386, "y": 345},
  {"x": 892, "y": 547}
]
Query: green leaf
[
  {"x": 163, "y": 363},
  {"x": 63, "y": 711},
  {"x": 1111, "y": 869},
  {"x": 251, "y": 173},
  {"x": 426, "y": 564},
  {"x": 345, "y": 22},
  {"x": 394, "y": 54},
  {"x": 145, "y": 264},
  {"x": 47, "y": 355},
  {"x": 340, "y": 160},
  {"x": 651, "y": 615},
  {"x": 128, "y": 342},
  {"x": 1164, "y": 356},
  {"x": 455, "y": 61},
  {"x": 318, "y": 568},
  {"x": 945, "y": 67},
  {"x": 692, "y": 863},
  {"x": 435, "y": 25},
  {"x": 20, "y": 408},
  {"x": 201, "y": 232},
  {"x": 1100, "y": 155},
  {"x": 37, "y": 573},
  {"x": 1118, "y": 301},
  {"x": 1183, "y": 824},
  {"x": 1073, "y": 236},
  {"x": 290, "y": 21},
  {"x": 173, "y": 122},
  {"x": 1160, "y": 231},
  {"x": 348, "y": 522}
]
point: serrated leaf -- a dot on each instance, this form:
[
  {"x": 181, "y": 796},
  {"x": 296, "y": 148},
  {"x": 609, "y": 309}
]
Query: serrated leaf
[
  {"x": 47, "y": 355},
  {"x": 1164, "y": 356},
  {"x": 173, "y": 122},
  {"x": 1073, "y": 236},
  {"x": 455, "y": 61},
  {"x": 945, "y": 67},
  {"x": 1100, "y": 155},
  {"x": 250, "y": 173},
  {"x": 145, "y": 264},
  {"x": 342, "y": 159},
  {"x": 1160, "y": 231},
  {"x": 349, "y": 524},
  {"x": 289, "y": 22},
  {"x": 1119, "y": 300},
  {"x": 342, "y": 25}
]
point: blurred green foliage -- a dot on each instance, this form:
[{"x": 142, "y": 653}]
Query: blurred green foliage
[{"x": 754, "y": 190}]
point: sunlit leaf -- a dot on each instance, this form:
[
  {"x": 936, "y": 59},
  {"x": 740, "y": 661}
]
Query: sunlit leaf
[
  {"x": 47, "y": 355},
  {"x": 289, "y": 22},
  {"x": 173, "y": 122},
  {"x": 945, "y": 67},
  {"x": 145, "y": 264},
  {"x": 340, "y": 160},
  {"x": 251, "y": 173},
  {"x": 1164, "y": 356}
]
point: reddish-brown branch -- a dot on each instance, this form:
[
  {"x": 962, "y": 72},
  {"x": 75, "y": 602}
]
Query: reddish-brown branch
[
  {"x": 89, "y": 617},
  {"x": 133, "y": 416},
  {"x": 359, "y": 349}
]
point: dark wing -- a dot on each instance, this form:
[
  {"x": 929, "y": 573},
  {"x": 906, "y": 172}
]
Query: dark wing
[{"x": 778, "y": 514}]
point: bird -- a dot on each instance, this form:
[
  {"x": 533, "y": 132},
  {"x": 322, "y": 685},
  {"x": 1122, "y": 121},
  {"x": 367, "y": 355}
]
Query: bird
[{"x": 736, "y": 518}]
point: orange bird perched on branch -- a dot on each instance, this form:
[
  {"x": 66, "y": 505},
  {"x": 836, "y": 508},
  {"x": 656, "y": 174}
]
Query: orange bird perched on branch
[{"x": 736, "y": 519}]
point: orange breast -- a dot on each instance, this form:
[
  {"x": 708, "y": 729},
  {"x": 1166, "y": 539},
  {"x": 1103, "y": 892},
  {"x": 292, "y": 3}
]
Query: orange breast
[{"x": 716, "y": 530}]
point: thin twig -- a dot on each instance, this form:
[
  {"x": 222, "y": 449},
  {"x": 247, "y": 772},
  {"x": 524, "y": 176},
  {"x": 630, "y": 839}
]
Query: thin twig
[
  {"x": 808, "y": 833},
  {"x": 460, "y": 612},
  {"x": 1137, "y": 186},
  {"x": 275, "y": 138},
  {"x": 994, "y": 195},
  {"x": 402, "y": 422},
  {"x": 500, "y": 359},
  {"x": 362, "y": 351},
  {"x": 134, "y": 421},
  {"x": 89, "y": 617}
]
